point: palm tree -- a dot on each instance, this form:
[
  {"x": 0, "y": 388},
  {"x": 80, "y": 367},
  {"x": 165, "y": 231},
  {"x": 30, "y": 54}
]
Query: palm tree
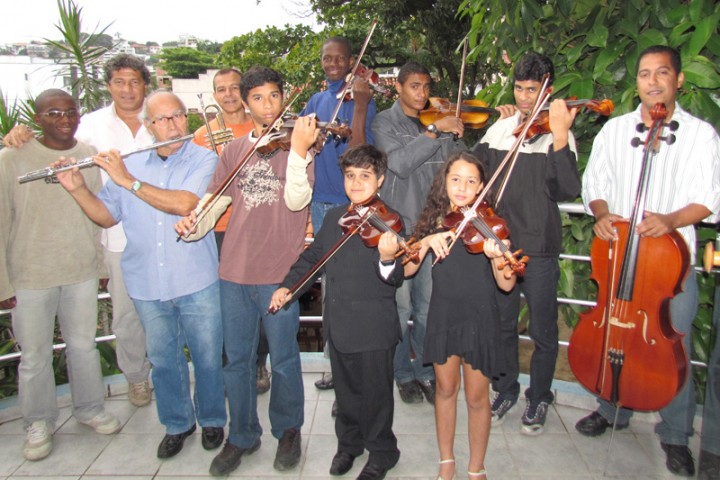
[{"x": 84, "y": 54}]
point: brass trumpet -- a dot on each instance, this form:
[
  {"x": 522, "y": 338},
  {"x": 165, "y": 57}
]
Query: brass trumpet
[
  {"x": 215, "y": 138},
  {"x": 88, "y": 161}
]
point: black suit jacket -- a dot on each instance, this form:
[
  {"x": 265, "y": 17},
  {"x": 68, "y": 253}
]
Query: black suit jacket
[{"x": 360, "y": 312}]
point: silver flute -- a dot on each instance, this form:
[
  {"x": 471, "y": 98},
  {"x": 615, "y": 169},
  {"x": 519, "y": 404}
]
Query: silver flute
[{"x": 88, "y": 161}]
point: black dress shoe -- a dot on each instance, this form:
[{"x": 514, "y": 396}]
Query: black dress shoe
[
  {"x": 288, "y": 451},
  {"x": 372, "y": 471},
  {"x": 229, "y": 458},
  {"x": 428, "y": 389},
  {"x": 678, "y": 459},
  {"x": 595, "y": 424},
  {"x": 342, "y": 462},
  {"x": 410, "y": 392},
  {"x": 326, "y": 382},
  {"x": 212, "y": 437},
  {"x": 172, "y": 444}
]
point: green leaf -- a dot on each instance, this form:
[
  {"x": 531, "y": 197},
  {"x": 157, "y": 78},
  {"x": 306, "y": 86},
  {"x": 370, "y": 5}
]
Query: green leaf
[
  {"x": 582, "y": 89},
  {"x": 566, "y": 79},
  {"x": 680, "y": 33},
  {"x": 607, "y": 57},
  {"x": 706, "y": 28},
  {"x": 649, "y": 38},
  {"x": 576, "y": 229},
  {"x": 598, "y": 36},
  {"x": 697, "y": 7},
  {"x": 701, "y": 72}
]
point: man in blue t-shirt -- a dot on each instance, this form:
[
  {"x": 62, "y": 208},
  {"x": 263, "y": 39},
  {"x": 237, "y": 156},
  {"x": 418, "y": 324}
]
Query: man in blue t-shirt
[{"x": 358, "y": 113}]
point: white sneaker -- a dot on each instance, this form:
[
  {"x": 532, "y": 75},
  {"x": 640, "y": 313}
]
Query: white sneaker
[
  {"x": 38, "y": 443},
  {"x": 103, "y": 423},
  {"x": 139, "y": 394}
]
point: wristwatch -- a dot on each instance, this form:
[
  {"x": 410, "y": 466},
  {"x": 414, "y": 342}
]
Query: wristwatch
[
  {"x": 433, "y": 129},
  {"x": 387, "y": 263},
  {"x": 135, "y": 186}
]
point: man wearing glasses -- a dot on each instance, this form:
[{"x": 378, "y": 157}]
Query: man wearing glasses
[
  {"x": 117, "y": 126},
  {"x": 173, "y": 285},
  {"x": 50, "y": 262}
]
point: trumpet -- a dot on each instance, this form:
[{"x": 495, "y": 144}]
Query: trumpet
[
  {"x": 215, "y": 138},
  {"x": 88, "y": 161}
]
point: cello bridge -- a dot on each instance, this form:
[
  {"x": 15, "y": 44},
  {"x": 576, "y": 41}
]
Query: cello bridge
[{"x": 615, "y": 321}]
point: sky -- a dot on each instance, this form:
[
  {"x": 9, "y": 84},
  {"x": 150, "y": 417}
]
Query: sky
[{"x": 152, "y": 20}]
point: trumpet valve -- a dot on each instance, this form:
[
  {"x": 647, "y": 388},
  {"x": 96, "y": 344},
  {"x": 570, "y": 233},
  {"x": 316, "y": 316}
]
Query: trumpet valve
[{"x": 221, "y": 137}]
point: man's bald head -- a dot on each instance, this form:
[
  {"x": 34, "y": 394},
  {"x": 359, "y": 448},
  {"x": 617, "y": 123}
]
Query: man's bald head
[{"x": 42, "y": 100}]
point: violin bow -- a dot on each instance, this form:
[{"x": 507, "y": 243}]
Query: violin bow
[
  {"x": 515, "y": 150},
  {"x": 461, "y": 85},
  {"x": 202, "y": 210},
  {"x": 353, "y": 73},
  {"x": 293, "y": 291},
  {"x": 512, "y": 154}
]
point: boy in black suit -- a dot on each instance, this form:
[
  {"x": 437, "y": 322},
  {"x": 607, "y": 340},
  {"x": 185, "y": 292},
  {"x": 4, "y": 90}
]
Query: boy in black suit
[{"x": 362, "y": 325}]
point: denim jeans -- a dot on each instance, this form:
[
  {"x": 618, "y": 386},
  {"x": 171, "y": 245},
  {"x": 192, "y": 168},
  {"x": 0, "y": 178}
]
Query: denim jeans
[
  {"x": 711, "y": 411},
  {"x": 243, "y": 308},
  {"x": 539, "y": 285},
  {"x": 677, "y": 418},
  {"x": 317, "y": 213},
  {"x": 413, "y": 299},
  {"x": 33, "y": 321},
  {"x": 193, "y": 320},
  {"x": 130, "y": 345}
]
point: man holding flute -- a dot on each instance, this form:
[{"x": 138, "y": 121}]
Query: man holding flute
[{"x": 174, "y": 286}]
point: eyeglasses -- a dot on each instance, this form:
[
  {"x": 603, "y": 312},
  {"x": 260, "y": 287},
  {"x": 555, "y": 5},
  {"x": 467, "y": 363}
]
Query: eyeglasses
[
  {"x": 163, "y": 121},
  {"x": 58, "y": 114}
]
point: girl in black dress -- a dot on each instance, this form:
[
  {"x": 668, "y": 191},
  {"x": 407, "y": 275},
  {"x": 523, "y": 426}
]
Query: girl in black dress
[{"x": 462, "y": 328}]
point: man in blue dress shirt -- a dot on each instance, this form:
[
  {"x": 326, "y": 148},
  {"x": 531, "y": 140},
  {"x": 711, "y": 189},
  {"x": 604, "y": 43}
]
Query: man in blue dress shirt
[{"x": 174, "y": 286}]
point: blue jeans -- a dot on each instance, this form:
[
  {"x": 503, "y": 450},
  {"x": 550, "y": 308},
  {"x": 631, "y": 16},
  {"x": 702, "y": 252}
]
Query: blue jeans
[
  {"x": 243, "y": 308},
  {"x": 33, "y": 321},
  {"x": 711, "y": 411},
  {"x": 677, "y": 418},
  {"x": 413, "y": 299},
  {"x": 317, "y": 213},
  {"x": 539, "y": 285},
  {"x": 193, "y": 320}
]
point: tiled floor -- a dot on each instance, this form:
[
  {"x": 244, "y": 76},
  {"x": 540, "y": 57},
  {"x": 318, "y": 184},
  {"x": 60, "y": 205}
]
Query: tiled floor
[{"x": 559, "y": 453}]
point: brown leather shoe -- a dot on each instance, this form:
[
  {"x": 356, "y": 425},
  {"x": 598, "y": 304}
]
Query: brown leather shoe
[
  {"x": 263, "y": 379},
  {"x": 288, "y": 451},
  {"x": 229, "y": 458}
]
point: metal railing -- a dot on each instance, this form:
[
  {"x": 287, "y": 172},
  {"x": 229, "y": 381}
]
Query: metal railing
[{"x": 571, "y": 208}]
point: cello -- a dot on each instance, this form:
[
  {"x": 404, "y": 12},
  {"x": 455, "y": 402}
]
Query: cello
[{"x": 625, "y": 349}]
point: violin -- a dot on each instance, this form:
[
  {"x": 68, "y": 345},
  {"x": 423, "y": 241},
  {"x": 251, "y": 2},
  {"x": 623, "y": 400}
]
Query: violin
[
  {"x": 541, "y": 125},
  {"x": 370, "y": 220},
  {"x": 373, "y": 80},
  {"x": 375, "y": 219},
  {"x": 625, "y": 349},
  {"x": 280, "y": 139},
  {"x": 486, "y": 224},
  {"x": 474, "y": 113}
]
